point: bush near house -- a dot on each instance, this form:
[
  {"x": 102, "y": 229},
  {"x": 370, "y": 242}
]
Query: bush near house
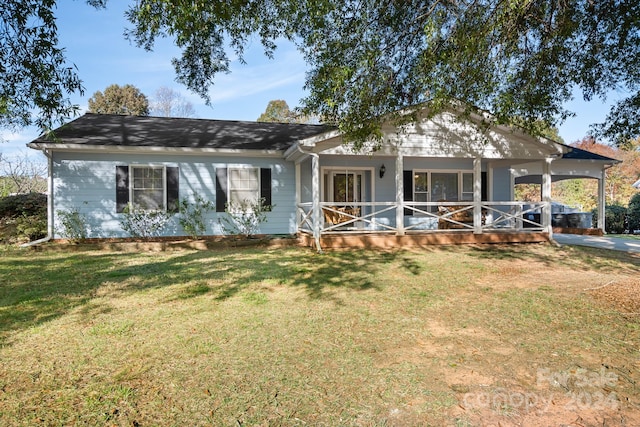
[
  {"x": 23, "y": 217},
  {"x": 615, "y": 219},
  {"x": 633, "y": 213}
]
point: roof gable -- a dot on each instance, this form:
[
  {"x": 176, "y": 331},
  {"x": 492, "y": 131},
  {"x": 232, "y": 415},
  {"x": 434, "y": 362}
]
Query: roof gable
[{"x": 447, "y": 135}]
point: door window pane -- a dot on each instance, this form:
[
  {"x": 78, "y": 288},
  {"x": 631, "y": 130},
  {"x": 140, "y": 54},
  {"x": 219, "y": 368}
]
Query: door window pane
[{"x": 347, "y": 187}]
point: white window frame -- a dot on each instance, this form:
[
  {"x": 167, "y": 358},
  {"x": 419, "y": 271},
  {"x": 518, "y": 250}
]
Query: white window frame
[
  {"x": 326, "y": 185},
  {"x": 427, "y": 190},
  {"x": 230, "y": 189},
  {"x": 462, "y": 192},
  {"x": 132, "y": 183},
  {"x": 459, "y": 172}
]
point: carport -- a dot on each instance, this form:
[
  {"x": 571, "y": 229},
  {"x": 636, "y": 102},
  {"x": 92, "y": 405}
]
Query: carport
[{"x": 574, "y": 164}]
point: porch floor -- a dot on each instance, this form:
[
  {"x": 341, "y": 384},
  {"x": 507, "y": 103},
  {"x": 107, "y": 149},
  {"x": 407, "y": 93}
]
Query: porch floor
[{"x": 411, "y": 240}]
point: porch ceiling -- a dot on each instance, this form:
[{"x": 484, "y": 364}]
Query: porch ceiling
[
  {"x": 537, "y": 179},
  {"x": 561, "y": 169}
]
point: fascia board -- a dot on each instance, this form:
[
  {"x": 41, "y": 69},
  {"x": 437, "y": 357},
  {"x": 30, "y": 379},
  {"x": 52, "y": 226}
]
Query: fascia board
[{"x": 109, "y": 149}]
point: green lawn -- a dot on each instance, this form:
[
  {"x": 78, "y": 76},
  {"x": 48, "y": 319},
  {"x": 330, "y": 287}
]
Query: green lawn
[
  {"x": 626, "y": 236},
  {"x": 285, "y": 337}
]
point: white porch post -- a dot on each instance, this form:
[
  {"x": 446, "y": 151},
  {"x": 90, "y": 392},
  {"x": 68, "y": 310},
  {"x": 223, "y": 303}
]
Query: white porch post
[
  {"x": 477, "y": 195},
  {"x": 546, "y": 195},
  {"x": 602, "y": 200},
  {"x": 315, "y": 196},
  {"x": 399, "y": 195},
  {"x": 298, "y": 197}
]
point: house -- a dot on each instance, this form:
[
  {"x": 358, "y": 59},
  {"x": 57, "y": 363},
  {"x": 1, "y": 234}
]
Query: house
[{"x": 440, "y": 178}]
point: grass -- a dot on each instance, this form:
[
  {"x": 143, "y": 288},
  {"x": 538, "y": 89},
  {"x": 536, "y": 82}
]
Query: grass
[
  {"x": 626, "y": 236},
  {"x": 290, "y": 337}
]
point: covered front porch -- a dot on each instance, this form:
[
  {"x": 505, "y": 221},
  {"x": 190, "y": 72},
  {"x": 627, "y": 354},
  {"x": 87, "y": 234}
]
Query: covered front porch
[
  {"x": 354, "y": 208},
  {"x": 437, "y": 182}
]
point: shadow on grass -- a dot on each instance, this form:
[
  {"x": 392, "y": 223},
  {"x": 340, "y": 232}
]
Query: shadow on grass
[
  {"x": 573, "y": 257},
  {"x": 36, "y": 287}
]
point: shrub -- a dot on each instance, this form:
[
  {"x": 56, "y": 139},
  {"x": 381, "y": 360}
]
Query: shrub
[
  {"x": 633, "y": 213},
  {"x": 31, "y": 227},
  {"x": 28, "y": 204},
  {"x": 244, "y": 217},
  {"x": 615, "y": 218},
  {"x": 144, "y": 224},
  {"x": 192, "y": 216},
  {"x": 73, "y": 224}
]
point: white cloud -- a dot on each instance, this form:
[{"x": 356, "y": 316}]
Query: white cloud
[
  {"x": 241, "y": 86},
  {"x": 14, "y": 144}
]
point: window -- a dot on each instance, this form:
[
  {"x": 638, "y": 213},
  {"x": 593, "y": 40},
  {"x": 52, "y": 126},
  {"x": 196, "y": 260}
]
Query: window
[
  {"x": 147, "y": 187},
  {"x": 444, "y": 187},
  {"x": 428, "y": 186},
  {"x": 421, "y": 187},
  {"x": 244, "y": 185},
  {"x": 467, "y": 186},
  {"x": 346, "y": 187},
  {"x": 235, "y": 184}
]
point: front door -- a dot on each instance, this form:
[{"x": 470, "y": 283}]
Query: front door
[{"x": 346, "y": 187}]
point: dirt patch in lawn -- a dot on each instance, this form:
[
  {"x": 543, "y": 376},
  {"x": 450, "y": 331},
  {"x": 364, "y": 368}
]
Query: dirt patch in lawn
[
  {"x": 622, "y": 294},
  {"x": 496, "y": 381}
]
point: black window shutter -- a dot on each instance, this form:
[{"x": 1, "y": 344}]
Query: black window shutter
[
  {"x": 483, "y": 178},
  {"x": 221, "y": 189},
  {"x": 122, "y": 188},
  {"x": 265, "y": 186},
  {"x": 407, "y": 183},
  {"x": 173, "y": 188}
]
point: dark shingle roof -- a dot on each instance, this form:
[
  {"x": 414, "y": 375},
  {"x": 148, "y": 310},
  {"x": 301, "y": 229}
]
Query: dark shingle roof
[
  {"x": 580, "y": 154},
  {"x": 138, "y": 131}
]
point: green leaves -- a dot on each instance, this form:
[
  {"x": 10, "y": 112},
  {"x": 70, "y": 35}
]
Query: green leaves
[
  {"x": 368, "y": 59},
  {"x": 35, "y": 75},
  {"x": 127, "y": 100},
  {"x": 202, "y": 29}
]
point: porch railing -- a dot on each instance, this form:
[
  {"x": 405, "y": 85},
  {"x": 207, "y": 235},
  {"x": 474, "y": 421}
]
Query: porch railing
[{"x": 422, "y": 217}]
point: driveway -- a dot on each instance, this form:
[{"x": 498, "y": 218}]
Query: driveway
[{"x": 603, "y": 242}]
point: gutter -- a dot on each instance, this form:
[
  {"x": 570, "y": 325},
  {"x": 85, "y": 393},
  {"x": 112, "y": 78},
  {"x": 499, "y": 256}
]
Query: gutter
[
  {"x": 36, "y": 242},
  {"x": 49, "y": 235}
]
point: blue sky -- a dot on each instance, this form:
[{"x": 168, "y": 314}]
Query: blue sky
[{"x": 95, "y": 43}]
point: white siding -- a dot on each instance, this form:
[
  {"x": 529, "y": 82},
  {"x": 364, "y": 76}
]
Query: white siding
[{"x": 87, "y": 182}]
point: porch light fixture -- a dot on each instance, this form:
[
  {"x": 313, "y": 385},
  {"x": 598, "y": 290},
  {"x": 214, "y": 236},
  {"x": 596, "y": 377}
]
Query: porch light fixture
[{"x": 382, "y": 171}]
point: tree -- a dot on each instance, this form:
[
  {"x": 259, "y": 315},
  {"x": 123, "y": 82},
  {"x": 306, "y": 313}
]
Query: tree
[
  {"x": 618, "y": 178},
  {"x": 22, "y": 174},
  {"x": 35, "y": 77},
  {"x": 370, "y": 59},
  {"x": 278, "y": 112},
  {"x": 169, "y": 103},
  {"x": 633, "y": 213},
  {"x": 127, "y": 100}
]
